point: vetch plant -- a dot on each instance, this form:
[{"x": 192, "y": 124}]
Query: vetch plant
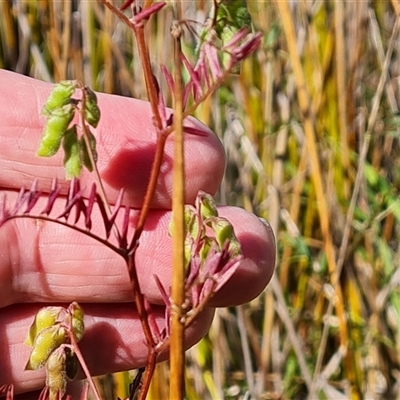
[{"x": 206, "y": 252}]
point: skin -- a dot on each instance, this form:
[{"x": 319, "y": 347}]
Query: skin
[{"x": 45, "y": 263}]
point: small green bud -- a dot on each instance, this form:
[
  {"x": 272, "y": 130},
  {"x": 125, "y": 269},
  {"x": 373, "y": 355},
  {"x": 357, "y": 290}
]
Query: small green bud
[
  {"x": 192, "y": 225},
  {"x": 223, "y": 230},
  {"x": 59, "y": 96},
  {"x": 208, "y": 207},
  {"x": 72, "y": 159},
  {"x": 54, "y": 130},
  {"x": 45, "y": 318},
  {"x": 45, "y": 343},
  {"x": 92, "y": 110}
]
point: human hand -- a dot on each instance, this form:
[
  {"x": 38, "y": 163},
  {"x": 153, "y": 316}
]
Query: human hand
[{"x": 47, "y": 263}]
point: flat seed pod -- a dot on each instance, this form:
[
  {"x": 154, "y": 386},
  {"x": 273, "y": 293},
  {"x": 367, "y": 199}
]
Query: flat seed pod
[
  {"x": 78, "y": 325},
  {"x": 45, "y": 343},
  {"x": 56, "y": 377},
  {"x": 72, "y": 159},
  {"x": 92, "y": 110},
  {"x": 71, "y": 365},
  {"x": 44, "y": 318},
  {"x": 208, "y": 207},
  {"x": 59, "y": 96},
  {"x": 85, "y": 153},
  {"x": 223, "y": 230},
  {"x": 54, "y": 130}
]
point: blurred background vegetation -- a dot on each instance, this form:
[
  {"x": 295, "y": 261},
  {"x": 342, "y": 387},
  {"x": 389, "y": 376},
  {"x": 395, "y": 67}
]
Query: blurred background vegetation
[{"x": 311, "y": 129}]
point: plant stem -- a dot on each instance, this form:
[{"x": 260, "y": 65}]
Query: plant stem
[
  {"x": 144, "y": 320},
  {"x": 81, "y": 359},
  {"x": 177, "y": 351}
]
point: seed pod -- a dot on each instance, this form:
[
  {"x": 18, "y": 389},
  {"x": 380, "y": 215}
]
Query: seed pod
[
  {"x": 44, "y": 318},
  {"x": 71, "y": 365},
  {"x": 54, "y": 130},
  {"x": 205, "y": 248},
  {"x": 223, "y": 230},
  {"x": 208, "y": 207},
  {"x": 72, "y": 159},
  {"x": 56, "y": 377},
  {"x": 59, "y": 96},
  {"x": 85, "y": 153},
  {"x": 45, "y": 343},
  {"x": 78, "y": 325},
  {"x": 92, "y": 110}
]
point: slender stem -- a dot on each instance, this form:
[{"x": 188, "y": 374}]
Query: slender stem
[
  {"x": 81, "y": 359},
  {"x": 99, "y": 181},
  {"x": 152, "y": 91},
  {"x": 139, "y": 300},
  {"x": 177, "y": 350},
  {"x": 144, "y": 320}
]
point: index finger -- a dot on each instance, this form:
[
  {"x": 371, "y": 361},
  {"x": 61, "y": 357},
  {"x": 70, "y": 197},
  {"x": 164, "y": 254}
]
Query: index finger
[{"x": 126, "y": 142}]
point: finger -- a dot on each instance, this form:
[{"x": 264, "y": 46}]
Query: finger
[
  {"x": 113, "y": 341},
  {"x": 46, "y": 262},
  {"x": 126, "y": 144}
]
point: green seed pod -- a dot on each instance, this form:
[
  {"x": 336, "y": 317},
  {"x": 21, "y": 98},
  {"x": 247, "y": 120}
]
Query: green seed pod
[
  {"x": 45, "y": 343},
  {"x": 208, "y": 207},
  {"x": 78, "y": 325},
  {"x": 56, "y": 377},
  {"x": 54, "y": 130},
  {"x": 85, "y": 153},
  {"x": 44, "y": 318},
  {"x": 205, "y": 249},
  {"x": 92, "y": 110},
  {"x": 59, "y": 96},
  {"x": 223, "y": 230},
  {"x": 72, "y": 159}
]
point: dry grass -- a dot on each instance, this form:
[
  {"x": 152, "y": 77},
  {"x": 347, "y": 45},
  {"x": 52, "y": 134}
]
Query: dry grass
[{"x": 311, "y": 130}]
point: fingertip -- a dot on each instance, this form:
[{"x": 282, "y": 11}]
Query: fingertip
[{"x": 255, "y": 270}]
